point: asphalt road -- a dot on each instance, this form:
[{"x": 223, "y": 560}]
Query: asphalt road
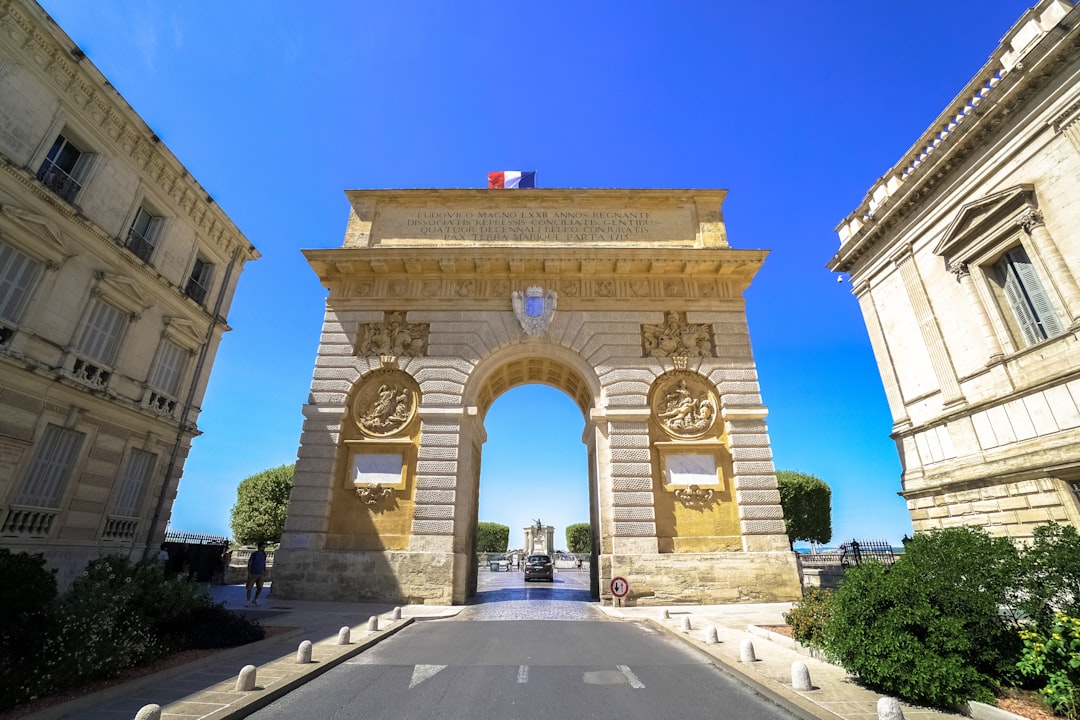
[{"x": 523, "y": 653}]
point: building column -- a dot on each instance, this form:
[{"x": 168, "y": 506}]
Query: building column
[
  {"x": 1058, "y": 272},
  {"x": 963, "y": 276}
]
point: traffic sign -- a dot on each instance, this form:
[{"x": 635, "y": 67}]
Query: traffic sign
[{"x": 619, "y": 587}]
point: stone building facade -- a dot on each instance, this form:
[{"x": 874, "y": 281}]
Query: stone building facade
[
  {"x": 965, "y": 258},
  {"x": 629, "y": 301},
  {"x": 116, "y": 275}
]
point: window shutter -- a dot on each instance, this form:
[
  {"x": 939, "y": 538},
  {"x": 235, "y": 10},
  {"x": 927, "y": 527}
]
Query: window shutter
[
  {"x": 17, "y": 274},
  {"x": 136, "y": 477},
  {"x": 1040, "y": 301},
  {"x": 48, "y": 476},
  {"x": 101, "y": 334},
  {"x": 168, "y": 369},
  {"x": 1014, "y": 293}
]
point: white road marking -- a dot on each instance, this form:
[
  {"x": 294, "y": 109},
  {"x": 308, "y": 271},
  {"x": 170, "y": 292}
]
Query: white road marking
[
  {"x": 421, "y": 673},
  {"x": 523, "y": 674},
  {"x": 631, "y": 677}
]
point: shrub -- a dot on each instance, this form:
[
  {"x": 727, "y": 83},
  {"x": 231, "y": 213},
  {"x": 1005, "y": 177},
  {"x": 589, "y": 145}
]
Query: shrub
[
  {"x": 29, "y": 617},
  {"x": 1053, "y": 659},
  {"x": 215, "y": 627},
  {"x": 809, "y": 617},
  {"x": 1049, "y": 577},
  {"x": 929, "y": 629},
  {"x": 579, "y": 538}
]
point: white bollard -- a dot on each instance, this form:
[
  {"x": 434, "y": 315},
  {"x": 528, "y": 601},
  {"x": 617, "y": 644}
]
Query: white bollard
[
  {"x": 303, "y": 652},
  {"x": 246, "y": 680},
  {"x": 686, "y": 624},
  {"x": 889, "y": 709},
  {"x": 344, "y": 635},
  {"x": 710, "y": 635},
  {"x": 397, "y": 613},
  {"x": 373, "y": 623},
  {"x": 665, "y": 614},
  {"x": 149, "y": 712},
  {"x": 746, "y": 651},
  {"x": 800, "y": 676}
]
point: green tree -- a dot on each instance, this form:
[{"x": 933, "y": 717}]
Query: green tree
[
  {"x": 579, "y": 538},
  {"x": 261, "y": 503},
  {"x": 492, "y": 537},
  {"x": 807, "y": 504}
]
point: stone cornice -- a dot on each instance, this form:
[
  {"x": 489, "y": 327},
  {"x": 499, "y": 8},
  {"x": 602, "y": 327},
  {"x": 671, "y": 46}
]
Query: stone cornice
[
  {"x": 43, "y": 47},
  {"x": 670, "y": 276}
]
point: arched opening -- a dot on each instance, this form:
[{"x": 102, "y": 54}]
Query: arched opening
[{"x": 535, "y": 467}]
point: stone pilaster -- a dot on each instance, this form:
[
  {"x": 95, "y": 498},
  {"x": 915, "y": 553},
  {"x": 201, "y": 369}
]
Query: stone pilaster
[{"x": 1058, "y": 273}]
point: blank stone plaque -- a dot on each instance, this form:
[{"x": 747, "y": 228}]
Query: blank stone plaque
[
  {"x": 690, "y": 469},
  {"x": 374, "y": 468}
]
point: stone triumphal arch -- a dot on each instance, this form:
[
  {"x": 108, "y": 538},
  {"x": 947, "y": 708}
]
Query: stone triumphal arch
[{"x": 629, "y": 301}]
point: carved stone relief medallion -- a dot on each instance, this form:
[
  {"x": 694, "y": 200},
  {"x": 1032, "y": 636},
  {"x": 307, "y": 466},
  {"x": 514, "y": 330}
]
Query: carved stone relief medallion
[
  {"x": 675, "y": 337},
  {"x": 393, "y": 336},
  {"x": 386, "y": 404},
  {"x": 685, "y": 405}
]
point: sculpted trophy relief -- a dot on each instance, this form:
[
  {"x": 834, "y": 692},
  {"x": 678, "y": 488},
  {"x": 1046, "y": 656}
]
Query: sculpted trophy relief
[
  {"x": 676, "y": 337},
  {"x": 686, "y": 408},
  {"x": 382, "y": 409},
  {"x": 393, "y": 336}
]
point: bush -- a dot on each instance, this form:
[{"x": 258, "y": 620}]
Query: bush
[
  {"x": 28, "y": 619},
  {"x": 215, "y": 627},
  {"x": 928, "y": 630},
  {"x": 1053, "y": 660},
  {"x": 809, "y": 617},
  {"x": 1049, "y": 577}
]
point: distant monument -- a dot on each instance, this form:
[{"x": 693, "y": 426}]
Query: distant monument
[{"x": 539, "y": 538}]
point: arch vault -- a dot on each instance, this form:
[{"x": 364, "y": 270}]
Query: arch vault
[{"x": 629, "y": 301}]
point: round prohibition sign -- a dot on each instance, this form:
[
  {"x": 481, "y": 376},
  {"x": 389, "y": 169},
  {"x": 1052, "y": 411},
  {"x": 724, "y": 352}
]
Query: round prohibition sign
[{"x": 619, "y": 587}]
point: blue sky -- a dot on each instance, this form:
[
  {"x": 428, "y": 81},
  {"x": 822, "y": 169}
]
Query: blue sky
[{"x": 796, "y": 108}]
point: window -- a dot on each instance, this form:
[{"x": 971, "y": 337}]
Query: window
[
  {"x": 1026, "y": 297},
  {"x": 140, "y": 465},
  {"x": 143, "y": 234},
  {"x": 168, "y": 369},
  {"x": 17, "y": 274},
  {"x": 65, "y": 168},
  {"x": 102, "y": 331},
  {"x": 199, "y": 282},
  {"x": 53, "y": 463}
]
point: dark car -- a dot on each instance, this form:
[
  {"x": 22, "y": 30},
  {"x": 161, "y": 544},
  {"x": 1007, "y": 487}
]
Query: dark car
[{"x": 539, "y": 567}]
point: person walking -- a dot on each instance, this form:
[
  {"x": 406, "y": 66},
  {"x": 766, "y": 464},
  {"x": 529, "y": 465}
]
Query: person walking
[{"x": 256, "y": 570}]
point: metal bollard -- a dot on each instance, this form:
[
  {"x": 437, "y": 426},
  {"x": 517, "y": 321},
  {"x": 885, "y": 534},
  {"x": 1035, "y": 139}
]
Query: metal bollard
[
  {"x": 246, "y": 680},
  {"x": 800, "y": 676},
  {"x": 746, "y": 651},
  {"x": 303, "y": 652},
  {"x": 344, "y": 635}
]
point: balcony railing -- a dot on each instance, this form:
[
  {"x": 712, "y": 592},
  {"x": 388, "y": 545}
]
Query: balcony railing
[
  {"x": 92, "y": 373},
  {"x": 140, "y": 246},
  {"x": 120, "y": 528},
  {"x": 58, "y": 180},
  {"x": 161, "y": 403},
  {"x": 27, "y": 522}
]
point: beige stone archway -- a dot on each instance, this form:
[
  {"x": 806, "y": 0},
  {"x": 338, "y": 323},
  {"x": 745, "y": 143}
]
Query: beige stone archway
[{"x": 630, "y": 301}]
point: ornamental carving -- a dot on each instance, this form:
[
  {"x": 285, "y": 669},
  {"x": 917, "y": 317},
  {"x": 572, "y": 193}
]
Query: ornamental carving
[
  {"x": 372, "y": 494},
  {"x": 534, "y": 309},
  {"x": 676, "y": 337},
  {"x": 685, "y": 407},
  {"x": 694, "y": 496},
  {"x": 393, "y": 336},
  {"x": 386, "y": 405}
]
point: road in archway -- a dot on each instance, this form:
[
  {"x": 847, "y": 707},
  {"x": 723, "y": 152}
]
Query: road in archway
[{"x": 526, "y": 651}]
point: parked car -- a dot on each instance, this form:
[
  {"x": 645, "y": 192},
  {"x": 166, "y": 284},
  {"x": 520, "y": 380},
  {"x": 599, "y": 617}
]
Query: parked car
[{"x": 539, "y": 567}]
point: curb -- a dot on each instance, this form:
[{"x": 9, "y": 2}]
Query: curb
[
  {"x": 771, "y": 691},
  {"x": 253, "y": 703},
  {"x": 68, "y": 707}
]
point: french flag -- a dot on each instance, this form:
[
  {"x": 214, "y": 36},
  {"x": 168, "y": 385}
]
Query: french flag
[{"x": 512, "y": 179}]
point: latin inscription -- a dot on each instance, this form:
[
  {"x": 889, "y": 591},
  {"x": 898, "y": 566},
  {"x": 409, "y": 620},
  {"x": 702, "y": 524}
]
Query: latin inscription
[{"x": 534, "y": 226}]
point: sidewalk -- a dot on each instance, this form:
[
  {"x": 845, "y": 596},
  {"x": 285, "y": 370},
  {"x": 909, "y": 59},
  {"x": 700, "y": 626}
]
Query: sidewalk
[
  {"x": 206, "y": 689},
  {"x": 834, "y": 694}
]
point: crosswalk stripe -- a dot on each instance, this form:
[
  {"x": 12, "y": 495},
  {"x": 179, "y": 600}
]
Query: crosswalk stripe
[
  {"x": 523, "y": 674},
  {"x": 631, "y": 677}
]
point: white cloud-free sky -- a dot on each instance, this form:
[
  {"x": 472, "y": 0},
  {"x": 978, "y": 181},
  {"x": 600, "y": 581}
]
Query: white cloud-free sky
[{"x": 796, "y": 108}]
